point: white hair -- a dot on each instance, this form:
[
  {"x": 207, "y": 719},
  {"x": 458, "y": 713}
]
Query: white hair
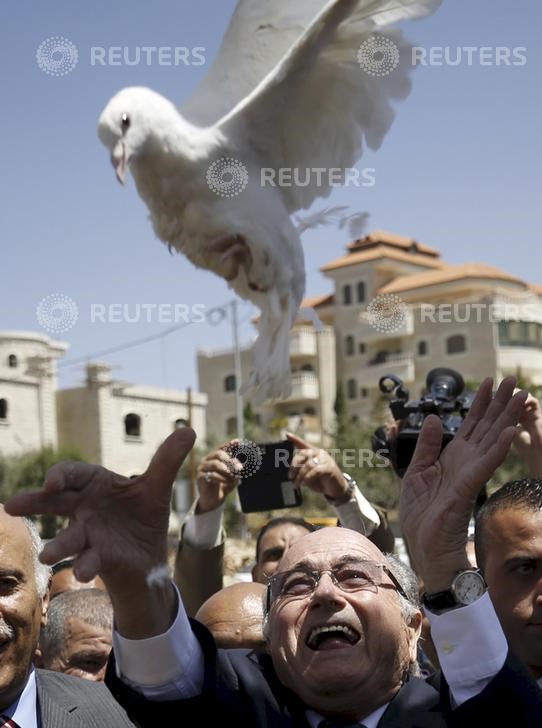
[{"x": 42, "y": 572}]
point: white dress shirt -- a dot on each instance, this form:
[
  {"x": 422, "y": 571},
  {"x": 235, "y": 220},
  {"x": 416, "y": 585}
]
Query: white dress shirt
[
  {"x": 205, "y": 531},
  {"x": 24, "y": 711}
]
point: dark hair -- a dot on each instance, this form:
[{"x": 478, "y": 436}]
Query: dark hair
[
  {"x": 61, "y": 565},
  {"x": 280, "y": 521},
  {"x": 524, "y": 494}
]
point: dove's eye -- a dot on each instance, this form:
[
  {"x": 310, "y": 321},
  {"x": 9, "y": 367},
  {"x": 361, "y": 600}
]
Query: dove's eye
[{"x": 124, "y": 122}]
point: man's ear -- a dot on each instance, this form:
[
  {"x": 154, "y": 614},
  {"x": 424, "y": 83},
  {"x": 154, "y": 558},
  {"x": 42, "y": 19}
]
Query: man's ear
[
  {"x": 45, "y": 604},
  {"x": 414, "y": 631}
]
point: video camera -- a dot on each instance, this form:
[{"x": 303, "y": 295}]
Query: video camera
[{"x": 445, "y": 397}]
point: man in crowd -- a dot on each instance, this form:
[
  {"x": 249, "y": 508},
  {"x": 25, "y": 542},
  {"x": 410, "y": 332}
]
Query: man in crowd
[
  {"x": 198, "y": 564},
  {"x": 234, "y": 616},
  {"x": 77, "y": 637},
  {"x": 32, "y": 698},
  {"x": 63, "y": 579},
  {"x": 342, "y": 625},
  {"x": 509, "y": 553}
]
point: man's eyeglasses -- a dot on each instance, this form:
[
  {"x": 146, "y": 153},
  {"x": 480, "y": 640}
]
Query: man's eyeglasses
[{"x": 300, "y": 582}]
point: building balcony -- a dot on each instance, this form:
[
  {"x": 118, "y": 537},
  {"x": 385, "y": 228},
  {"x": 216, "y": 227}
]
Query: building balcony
[
  {"x": 304, "y": 386},
  {"x": 402, "y": 365},
  {"x": 302, "y": 342},
  {"x": 526, "y": 358}
]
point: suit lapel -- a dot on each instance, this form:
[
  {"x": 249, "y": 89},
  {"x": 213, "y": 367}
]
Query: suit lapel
[
  {"x": 53, "y": 713},
  {"x": 416, "y": 705}
]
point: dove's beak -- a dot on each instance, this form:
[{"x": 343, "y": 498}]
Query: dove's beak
[{"x": 118, "y": 160}]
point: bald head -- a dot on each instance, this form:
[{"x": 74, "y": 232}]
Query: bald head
[{"x": 234, "y": 616}]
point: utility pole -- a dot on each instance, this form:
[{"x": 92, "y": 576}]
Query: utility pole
[
  {"x": 238, "y": 373},
  {"x": 192, "y": 455}
]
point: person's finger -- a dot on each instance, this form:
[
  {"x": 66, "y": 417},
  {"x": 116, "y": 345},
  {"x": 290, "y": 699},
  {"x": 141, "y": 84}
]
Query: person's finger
[
  {"x": 477, "y": 409},
  {"x": 494, "y": 410},
  {"x": 169, "y": 457},
  {"x": 507, "y": 417},
  {"x": 87, "y": 565},
  {"x": 28, "y": 504},
  {"x": 428, "y": 446},
  {"x": 298, "y": 441},
  {"x": 227, "y": 470},
  {"x": 67, "y": 542}
]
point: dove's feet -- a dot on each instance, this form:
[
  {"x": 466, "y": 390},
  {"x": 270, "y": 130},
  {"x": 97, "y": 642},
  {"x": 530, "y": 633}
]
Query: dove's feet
[{"x": 234, "y": 249}]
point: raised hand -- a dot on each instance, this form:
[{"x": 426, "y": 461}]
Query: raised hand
[
  {"x": 439, "y": 492},
  {"x": 316, "y": 469},
  {"x": 118, "y": 528},
  {"x": 218, "y": 474},
  {"x": 528, "y": 439}
]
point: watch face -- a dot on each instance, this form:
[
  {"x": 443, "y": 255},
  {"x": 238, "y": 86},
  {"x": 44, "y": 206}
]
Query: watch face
[{"x": 468, "y": 587}]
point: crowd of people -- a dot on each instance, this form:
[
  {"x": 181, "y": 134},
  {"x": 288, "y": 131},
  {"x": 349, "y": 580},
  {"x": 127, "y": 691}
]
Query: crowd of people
[{"x": 329, "y": 632}]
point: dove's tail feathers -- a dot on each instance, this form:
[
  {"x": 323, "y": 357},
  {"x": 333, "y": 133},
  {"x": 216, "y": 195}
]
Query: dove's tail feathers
[{"x": 271, "y": 376}]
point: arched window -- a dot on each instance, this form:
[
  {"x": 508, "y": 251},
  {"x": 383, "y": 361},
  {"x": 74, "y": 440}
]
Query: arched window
[
  {"x": 229, "y": 383},
  {"x": 351, "y": 389},
  {"x": 347, "y": 295},
  {"x": 180, "y": 422},
  {"x": 12, "y": 361},
  {"x": 456, "y": 344},
  {"x": 349, "y": 346},
  {"x": 360, "y": 288},
  {"x": 422, "y": 348},
  {"x": 132, "y": 425},
  {"x": 3, "y": 409}
]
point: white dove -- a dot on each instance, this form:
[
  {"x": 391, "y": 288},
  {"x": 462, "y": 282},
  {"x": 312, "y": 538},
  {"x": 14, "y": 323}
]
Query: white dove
[{"x": 287, "y": 90}]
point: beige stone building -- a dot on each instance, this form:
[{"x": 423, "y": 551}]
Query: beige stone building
[
  {"x": 28, "y": 383},
  {"x": 120, "y": 425},
  {"x": 396, "y": 307},
  {"x": 112, "y": 423}
]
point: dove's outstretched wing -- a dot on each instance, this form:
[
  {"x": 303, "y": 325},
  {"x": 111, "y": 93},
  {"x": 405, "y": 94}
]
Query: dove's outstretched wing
[
  {"x": 323, "y": 101},
  {"x": 259, "y": 35}
]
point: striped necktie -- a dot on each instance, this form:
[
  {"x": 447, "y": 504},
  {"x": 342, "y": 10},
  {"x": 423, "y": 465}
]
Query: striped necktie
[{"x": 6, "y": 722}]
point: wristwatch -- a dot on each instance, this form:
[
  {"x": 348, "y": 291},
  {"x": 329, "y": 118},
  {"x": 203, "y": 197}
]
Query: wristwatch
[
  {"x": 467, "y": 586},
  {"x": 345, "y": 497}
]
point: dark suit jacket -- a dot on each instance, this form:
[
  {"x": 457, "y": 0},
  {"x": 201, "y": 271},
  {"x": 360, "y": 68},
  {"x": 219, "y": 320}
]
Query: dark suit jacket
[
  {"x": 70, "y": 702},
  {"x": 241, "y": 688}
]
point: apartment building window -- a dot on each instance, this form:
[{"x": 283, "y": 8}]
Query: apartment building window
[
  {"x": 132, "y": 425},
  {"x": 3, "y": 409},
  {"x": 364, "y": 392},
  {"x": 349, "y": 346},
  {"x": 180, "y": 422},
  {"x": 351, "y": 389},
  {"x": 361, "y": 347},
  {"x": 423, "y": 349},
  {"x": 12, "y": 361},
  {"x": 229, "y": 383},
  {"x": 310, "y": 411},
  {"x": 456, "y": 344},
  {"x": 307, "y": 368},
  {"x": 347, "y": 295},
  {"x": 361, "y": 292}
]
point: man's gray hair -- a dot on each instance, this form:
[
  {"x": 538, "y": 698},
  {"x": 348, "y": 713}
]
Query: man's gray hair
[
  {"x": 92, "y": 606},
  {"x": 410, "y": 606},
  {"x": 42, "y": 572}
]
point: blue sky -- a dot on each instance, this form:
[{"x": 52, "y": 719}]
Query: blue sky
[{"x": 460, "y": 170}]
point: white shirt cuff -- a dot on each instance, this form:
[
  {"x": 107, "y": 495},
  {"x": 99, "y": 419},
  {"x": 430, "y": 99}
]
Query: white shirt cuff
[
  {"x": 169, "y": 666},
  {"x": 471, "y": 647},
  {"x": 204, "y": 530},
  {"x": 358, "y": 514}
]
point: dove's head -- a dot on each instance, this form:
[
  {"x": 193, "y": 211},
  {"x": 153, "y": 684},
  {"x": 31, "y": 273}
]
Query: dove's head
[{"x": 131, "y": 121}]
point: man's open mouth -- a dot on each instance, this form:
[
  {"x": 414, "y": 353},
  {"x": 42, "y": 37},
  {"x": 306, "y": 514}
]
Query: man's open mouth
[{"x": 332, "y": 635}]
